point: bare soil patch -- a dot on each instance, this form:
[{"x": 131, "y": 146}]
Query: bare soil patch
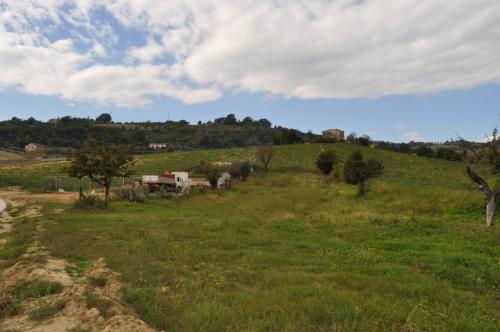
[{"x": 37, "y": 265}]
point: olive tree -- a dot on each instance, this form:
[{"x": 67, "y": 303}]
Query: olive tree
[{"x": 357, "y": 171}]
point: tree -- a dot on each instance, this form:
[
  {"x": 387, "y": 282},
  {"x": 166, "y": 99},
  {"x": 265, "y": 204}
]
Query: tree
[
  {"x": 101, "y": 163},
  {"x": 230, "y": 120},
  {"x": 79, "y": 167},
  {"x": 364, "y": 140},
  {"x": 326, "y": 161},
  {"x": 103, "y": 118},
  {"x": 263, "y": 123},
  {"x": 491, "y": 196},
  {"x": 351, "y": 138},
  {"x": 357, "y": 171},
  {"x": 247, "y": 121},
  {"x": 265, "y": 155},
  {"x": 425, "y": 151}
]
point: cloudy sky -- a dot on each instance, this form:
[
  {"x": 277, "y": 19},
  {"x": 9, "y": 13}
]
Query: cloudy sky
[{"x": 395, "y": 69}]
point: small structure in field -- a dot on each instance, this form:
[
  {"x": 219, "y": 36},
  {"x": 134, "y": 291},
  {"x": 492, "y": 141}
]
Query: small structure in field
[
  {"x": 158, "y": 146},
  {"x": 34, "y": 147},
  {"x": 336, "y": 135}
]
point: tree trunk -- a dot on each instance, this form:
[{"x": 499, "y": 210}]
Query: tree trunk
[
  {"x": 106, "y": 194},
  {"x": 362, "y": 188},
  {"x": 81, "y": 190},
  {"x": 490, "y": 210}
]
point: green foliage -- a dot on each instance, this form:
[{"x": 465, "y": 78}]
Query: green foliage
[
  {"x": 357, "y": 171},
  {"x": 240, "y": 169},
  {"x": 104, "y": 118},
  {"x": 447, "y": 154},
  {"x": 68, "y": 132},
  {"x": 35, "y": 289},
  {"x": 8, "y": 306},
  {"x": 326, "y": 161},
  {"x": 425, "y": 151},
  {"x": 101, "y": 163},
  {"x": 47, "y": 310}
]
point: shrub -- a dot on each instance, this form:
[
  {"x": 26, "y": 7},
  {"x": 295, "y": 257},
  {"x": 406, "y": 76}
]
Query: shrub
[
  {"x": 47, "y": 310},
  {"x": 8, "y": 307},
  {"x": 424, "y": 151},
  {"x": 36, "y": 289},
  {"x": 326, "y": 161},
  {"x": 130, "y": 193},
  {"x": 240, "y": 169},
  {"x": 447, "y": 154}
]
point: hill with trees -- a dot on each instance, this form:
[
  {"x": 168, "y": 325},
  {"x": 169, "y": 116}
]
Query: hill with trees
[{"x": 70, "y": 132}]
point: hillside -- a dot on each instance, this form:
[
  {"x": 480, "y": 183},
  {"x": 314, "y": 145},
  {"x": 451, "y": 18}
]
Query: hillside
[
  {"x": 292, "y": 250},
  {"x": 68, "y": 132}
]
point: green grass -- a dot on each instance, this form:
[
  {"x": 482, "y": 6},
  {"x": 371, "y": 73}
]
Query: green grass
[
  {"x": 35, "y": 289},
  {"x": 47, "y": 310},
  {"x": 294, "y": 251},
  {"x": 18, "y": 240},
  {"x": 101, "y": 304},
  {"x": 9, "y": 306}
]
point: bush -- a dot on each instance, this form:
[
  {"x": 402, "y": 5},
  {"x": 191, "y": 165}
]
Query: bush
[
  {"x": 47, "y": 310},
  {"x": 240, "y": 169},
  {"x": 326, "y": 161},
  {"x": 425, "y": 151},
  {"x": 130, "y": 193},
  {"x": 447, "y": 154}
]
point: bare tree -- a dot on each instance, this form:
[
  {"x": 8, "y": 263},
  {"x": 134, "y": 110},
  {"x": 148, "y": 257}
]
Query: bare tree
[
  {"x": 491, "y": 196},
  {"x": 265, "y": 154}
]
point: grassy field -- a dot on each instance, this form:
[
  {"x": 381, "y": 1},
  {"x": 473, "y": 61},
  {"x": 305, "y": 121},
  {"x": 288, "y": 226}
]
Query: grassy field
[{"x": 292, "y": 250}]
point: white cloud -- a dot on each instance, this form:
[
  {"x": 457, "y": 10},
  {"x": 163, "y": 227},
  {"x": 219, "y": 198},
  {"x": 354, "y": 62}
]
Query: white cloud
[
  {"x": 412, "y": 136},
  {"x": 147, "y": 53},
  {"x": 293, "y": 48}
]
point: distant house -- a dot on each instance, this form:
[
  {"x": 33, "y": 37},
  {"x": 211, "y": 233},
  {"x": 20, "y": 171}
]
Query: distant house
[
  {"x": 157, "y": 146},
  {"x": 55, "y": 120},
  {"x": 34, "y": 147},
  {"x": 334, "y": 135}
]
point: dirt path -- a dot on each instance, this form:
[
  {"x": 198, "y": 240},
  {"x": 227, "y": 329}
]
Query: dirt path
[{"x": 90, "y": 299}]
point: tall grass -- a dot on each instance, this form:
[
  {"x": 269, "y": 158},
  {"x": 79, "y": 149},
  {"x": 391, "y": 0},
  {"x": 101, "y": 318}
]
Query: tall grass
[{"x": 293, "y": 250}]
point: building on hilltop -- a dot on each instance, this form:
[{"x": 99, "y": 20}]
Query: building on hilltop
[
  {"x": 158, "y": 146},
  {"x": 334, "y": 135},
  {"x": 34, "y": 147}
]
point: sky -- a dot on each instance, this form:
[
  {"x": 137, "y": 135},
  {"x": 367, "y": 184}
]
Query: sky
[{"x": 399, "y": 70}]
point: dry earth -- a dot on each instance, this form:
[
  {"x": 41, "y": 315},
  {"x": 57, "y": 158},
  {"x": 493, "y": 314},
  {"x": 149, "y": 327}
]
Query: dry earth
[{"x": 37, "y": 265}]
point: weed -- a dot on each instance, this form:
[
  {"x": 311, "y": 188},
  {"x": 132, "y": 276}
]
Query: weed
[
  {"x": 8, "y": 306},
  {"x": 97, "y": 281},
  {"x": 35, "y": 289},
  {"x": 94, "y": 301},
  {"x": 47, "y": 310}
]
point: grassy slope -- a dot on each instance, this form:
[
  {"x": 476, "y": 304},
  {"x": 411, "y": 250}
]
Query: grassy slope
[{"x": 292, "y": 251}]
